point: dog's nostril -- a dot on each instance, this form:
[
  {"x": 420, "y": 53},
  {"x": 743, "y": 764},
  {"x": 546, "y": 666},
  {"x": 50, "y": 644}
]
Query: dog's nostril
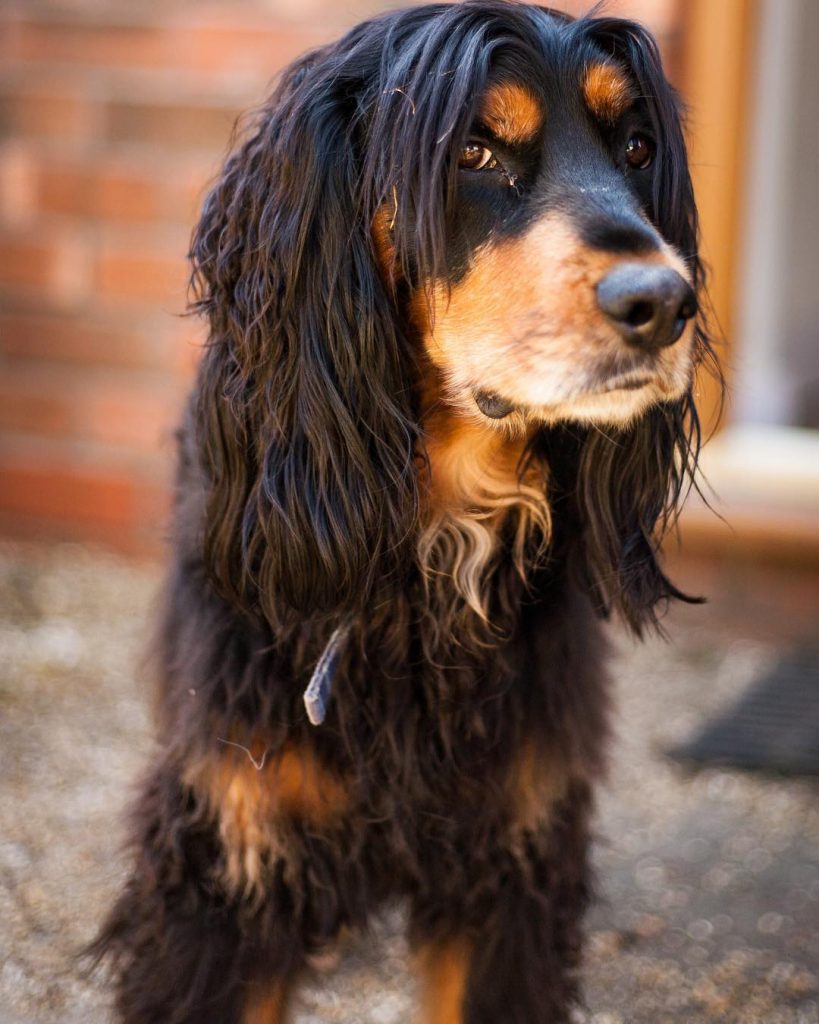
[
  {"x": 639, "y": 314},
  {"x": 649, "y": 305}
]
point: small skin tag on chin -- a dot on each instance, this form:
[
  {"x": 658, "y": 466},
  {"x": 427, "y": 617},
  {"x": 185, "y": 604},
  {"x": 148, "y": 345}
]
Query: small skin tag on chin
[{"x": 319, "y": 689}]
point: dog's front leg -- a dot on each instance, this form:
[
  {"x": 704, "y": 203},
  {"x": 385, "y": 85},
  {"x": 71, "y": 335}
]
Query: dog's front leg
[
  {"x": 509, "y": 949},
  {"x": 216, "y": 920}
]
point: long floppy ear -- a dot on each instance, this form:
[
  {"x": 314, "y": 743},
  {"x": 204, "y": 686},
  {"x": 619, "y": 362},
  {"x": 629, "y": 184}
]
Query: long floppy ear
[
  {"x": 631, "y": 482},
  {"x": 304, "y": 411}
]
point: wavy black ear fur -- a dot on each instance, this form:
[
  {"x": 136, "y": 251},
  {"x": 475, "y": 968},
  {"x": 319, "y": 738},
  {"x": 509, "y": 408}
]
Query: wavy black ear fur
[
  {"x": 303, "y": 411},
  {"x": 631, "y": 482}
]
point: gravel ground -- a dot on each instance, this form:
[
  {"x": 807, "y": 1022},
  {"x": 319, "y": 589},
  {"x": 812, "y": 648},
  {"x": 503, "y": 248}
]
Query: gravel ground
[{"x": 709, "y": 881}]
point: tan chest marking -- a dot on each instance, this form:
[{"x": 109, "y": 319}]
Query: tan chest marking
[
  {"x": 473, "y": 482},
  {"x": 472, "y": 465},
  {"x": 253, "y": 805}
]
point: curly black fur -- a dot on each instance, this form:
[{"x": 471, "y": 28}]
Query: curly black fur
[{"x": 299, "y": 505}]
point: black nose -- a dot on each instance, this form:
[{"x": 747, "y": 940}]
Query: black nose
[{"x": 649, "y": 305}]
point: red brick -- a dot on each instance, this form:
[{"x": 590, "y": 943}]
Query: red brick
[
  {"x": 123, "y": 196},
  {"x": 114, "y": 189},
  {"x": 126, "y": 273},
  {"x": 33, "y": 410},
  {"x": 91, "y": 191},
  {"x": 17, "y": 182},
  {"x": 204, "y": 125},
  {"x": 183, "y": 201},
  {"x": 188, "y": 341},
  {"x": 44, "y": 114},
  {"x": 232, "y": 40},
  {"x": 56, "y": 497},
  {"x": 65, "y": 41},
  {"x": 57, "y": 492},
  {"x": 56, "y": 264},
  {"x": 264, "y": 47},
  {"x": 10, "y": 34},
  {"x": 24, "y": 263},
  {"x": 71, "y": 280},
  {"x": 87, "y": 341},
  {"x": 62, "y": 189},
  {"x": 141, "y": 418},
  {"x": 111, "y": 408}
]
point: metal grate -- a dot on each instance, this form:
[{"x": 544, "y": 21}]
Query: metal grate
[{"x": 774, "y": 727}]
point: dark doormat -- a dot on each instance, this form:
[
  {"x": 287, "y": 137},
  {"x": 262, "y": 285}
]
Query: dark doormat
[{"x": 774, "y": 727}]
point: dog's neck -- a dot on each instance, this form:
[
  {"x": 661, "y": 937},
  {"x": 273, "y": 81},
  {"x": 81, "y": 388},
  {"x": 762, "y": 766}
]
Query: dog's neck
[
  {"x": 471, "y": 465},
  {"x": 474, "y": 480}
]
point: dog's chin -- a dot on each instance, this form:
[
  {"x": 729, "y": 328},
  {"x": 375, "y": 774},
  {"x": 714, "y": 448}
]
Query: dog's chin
[
  {"x": 615, "y": 403},
  {"x": 613, "y": 407}
]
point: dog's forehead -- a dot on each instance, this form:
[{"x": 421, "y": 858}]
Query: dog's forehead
[{"x": 516, "y": 109}]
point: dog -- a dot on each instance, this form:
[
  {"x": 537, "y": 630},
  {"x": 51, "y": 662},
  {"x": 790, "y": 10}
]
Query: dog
[{"x": 443, "y": 417}]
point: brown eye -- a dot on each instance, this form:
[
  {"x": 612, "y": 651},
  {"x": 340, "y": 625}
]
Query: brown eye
[
  {"x": 639, "y": 152},
  {"x": 475, "y": 157}
]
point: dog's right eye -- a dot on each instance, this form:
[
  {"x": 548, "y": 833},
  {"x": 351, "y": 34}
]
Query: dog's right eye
[
  {"x": 475, "y": 157},
  {"x": 639, "y": 152}
]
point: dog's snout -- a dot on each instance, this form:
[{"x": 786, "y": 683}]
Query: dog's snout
[{"x": 648, "y": 304}]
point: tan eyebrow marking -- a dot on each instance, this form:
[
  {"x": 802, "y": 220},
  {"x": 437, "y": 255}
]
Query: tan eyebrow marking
[
  {"x": 608, "y": 91},
  {"x": 511, "y": 112}
]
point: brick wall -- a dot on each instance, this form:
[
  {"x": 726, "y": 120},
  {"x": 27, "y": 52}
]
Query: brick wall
[{"x": 113, "y": 118}]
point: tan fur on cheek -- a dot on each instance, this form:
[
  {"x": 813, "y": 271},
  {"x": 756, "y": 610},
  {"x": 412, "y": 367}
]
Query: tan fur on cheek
[
  {"x": 511, "y": 112},
  {"x": 524, "y": 323},
  {"x": 254, "y": 800},
  {"x": 524, "y": 310},
  {"x": 608, "y": 91}
]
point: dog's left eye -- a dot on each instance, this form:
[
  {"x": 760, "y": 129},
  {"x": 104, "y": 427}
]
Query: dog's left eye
[
  {"x": 639, "y": 152},
  {"x": 475, "y": 157}
]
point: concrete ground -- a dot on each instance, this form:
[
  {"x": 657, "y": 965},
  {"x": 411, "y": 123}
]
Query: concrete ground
[{"x": 709, "y": 881}]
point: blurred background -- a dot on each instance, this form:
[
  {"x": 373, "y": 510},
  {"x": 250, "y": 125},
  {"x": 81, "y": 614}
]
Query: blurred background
[{"x": 114, "y": 116}]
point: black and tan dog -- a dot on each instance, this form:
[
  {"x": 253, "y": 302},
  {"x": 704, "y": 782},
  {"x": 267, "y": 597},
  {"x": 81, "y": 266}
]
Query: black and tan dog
[{"x": 444, "y": 413}]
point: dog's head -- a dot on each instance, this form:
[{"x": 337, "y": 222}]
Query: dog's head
[{"x": 486, "y": 201}]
